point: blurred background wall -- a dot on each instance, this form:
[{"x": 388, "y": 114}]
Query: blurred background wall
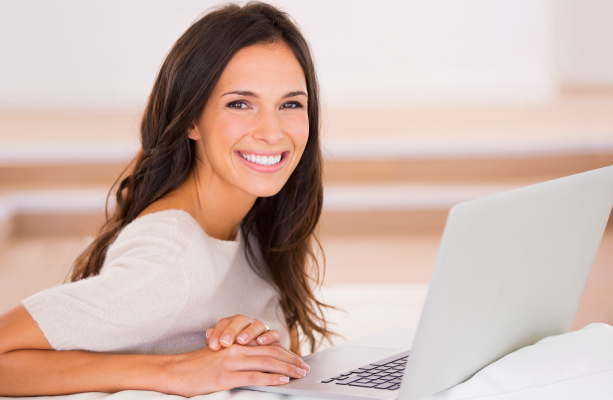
[
  {"x": 426, "y": 103},
  {"x": 68, "y": 55}
]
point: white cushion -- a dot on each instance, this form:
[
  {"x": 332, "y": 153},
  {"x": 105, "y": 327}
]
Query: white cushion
[{"x": 576, "y": 365}]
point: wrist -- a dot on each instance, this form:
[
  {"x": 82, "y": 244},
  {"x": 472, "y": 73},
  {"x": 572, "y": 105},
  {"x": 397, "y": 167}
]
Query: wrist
[{"x": 165, "y": 375}]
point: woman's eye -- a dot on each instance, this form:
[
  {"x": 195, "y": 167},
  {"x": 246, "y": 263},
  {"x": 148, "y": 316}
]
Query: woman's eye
[
  {"x": 292, "y": 104},
  {"x": 237, "y": 104}
]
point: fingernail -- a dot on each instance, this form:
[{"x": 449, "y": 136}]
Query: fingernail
[
  {"x": 242, "y": 337},
  {"x": 262, "y": 340},
  {"x": 305, "y": 367},
  {"x": 225, "y": 339},
  {"x": 214, "y": 343},
  {"x": 284, "y": 379},
  {"x": 300, "y": 371},
  {"x": 207, "y": 333}
]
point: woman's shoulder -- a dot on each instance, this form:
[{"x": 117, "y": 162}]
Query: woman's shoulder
[
  {"x": 165, "y": 223},
  {"x": 166, "y": 232},
  {"x": 169, "y": 218},
  {"x": 169, "y": 234}
]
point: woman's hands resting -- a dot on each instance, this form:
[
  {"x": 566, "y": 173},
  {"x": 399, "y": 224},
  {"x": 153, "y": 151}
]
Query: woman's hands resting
[
  {"x": 242, "y": 330},
  {"x": 240, "y": 353},
  {"x": 27, "y": 357}
]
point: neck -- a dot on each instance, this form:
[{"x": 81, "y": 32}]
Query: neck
[{"x": 219, "y": 209}]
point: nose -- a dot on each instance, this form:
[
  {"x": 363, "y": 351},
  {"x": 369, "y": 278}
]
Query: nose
[{"x": 268, "y": 128}]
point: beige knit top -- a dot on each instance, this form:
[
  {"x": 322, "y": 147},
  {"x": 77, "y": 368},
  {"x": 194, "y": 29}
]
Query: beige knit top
[{"x": 164, "y": 282}]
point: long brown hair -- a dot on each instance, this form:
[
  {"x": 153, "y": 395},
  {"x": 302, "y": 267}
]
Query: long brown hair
[{"x": 284, "y": 224}]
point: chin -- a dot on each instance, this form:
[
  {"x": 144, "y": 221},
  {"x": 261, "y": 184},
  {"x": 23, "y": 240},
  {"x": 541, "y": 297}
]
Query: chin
[{"x": 266, "y": 191}]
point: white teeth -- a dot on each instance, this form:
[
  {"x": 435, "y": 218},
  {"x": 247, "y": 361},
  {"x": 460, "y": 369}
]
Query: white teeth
[{"x": 262, "y": 160}]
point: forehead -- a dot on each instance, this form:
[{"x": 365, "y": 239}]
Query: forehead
[{"x": 263, "y": 66}]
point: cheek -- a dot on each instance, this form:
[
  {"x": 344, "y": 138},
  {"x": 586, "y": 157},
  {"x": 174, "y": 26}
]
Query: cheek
[
  {"x": 298, "y": 130},
  {"x": 229, "y": 130}
]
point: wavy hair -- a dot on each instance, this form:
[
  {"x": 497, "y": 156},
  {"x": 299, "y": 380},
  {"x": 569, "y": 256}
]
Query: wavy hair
[{"x": 284, "y": 224}]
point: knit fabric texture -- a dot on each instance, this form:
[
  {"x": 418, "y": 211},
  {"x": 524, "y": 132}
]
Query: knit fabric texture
[{"x": 164, "y": 282}]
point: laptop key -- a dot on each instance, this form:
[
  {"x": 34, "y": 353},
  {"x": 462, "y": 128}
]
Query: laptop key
[
  {"x": 364, "y": 385},
  {"x": 385, "y": 385},
  {"x": 327, "y": 380},
  {"x": 351, "y": 380}
]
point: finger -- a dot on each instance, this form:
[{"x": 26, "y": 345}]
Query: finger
[
  {"x": 278, "y": 352},
  {"x": 252, "y": 343},
  {"x": 252, "y": 331},
  {"x": 269, "y": 337},
  {"x": 207, "y": 334},
  {"x": 270, "y": 365},
  {"x": 259, "y": 379},
  {"x": 215, "y": 335},
  {"x": 303, "y": 365},
  {"x": 239, "y": 323}
]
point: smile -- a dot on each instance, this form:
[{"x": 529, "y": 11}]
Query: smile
[{"x": 262, "y": 160}]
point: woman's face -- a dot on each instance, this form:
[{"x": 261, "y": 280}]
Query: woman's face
[{"x": 255, "y": 125}]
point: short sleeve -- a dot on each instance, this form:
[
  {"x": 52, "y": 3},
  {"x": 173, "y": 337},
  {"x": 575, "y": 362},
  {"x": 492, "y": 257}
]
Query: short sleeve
[{"x": 142, "y": 287}]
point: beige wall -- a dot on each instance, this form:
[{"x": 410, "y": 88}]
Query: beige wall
[{"x": 74, "y": 55}]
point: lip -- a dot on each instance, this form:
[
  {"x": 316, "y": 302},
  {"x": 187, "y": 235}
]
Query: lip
[{"x": 263, "y": 168}]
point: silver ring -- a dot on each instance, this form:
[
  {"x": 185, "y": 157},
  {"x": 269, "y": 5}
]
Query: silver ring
[{"x": 267, "y": 328}]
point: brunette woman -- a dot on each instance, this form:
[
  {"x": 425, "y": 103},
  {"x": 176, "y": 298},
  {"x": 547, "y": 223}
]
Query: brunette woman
[{"x": 202, "y": 276}]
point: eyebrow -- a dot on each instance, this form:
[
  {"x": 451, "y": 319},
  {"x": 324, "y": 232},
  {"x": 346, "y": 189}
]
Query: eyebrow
[
  {"x": 251, "y": 94},
  {"x": 297, "y": 93}
]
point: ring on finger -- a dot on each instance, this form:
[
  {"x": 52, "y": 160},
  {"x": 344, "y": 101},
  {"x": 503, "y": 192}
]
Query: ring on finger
[{"x": 267, "y": 328}]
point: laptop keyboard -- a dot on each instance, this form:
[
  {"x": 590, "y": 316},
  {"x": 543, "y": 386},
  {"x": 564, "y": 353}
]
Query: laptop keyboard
[{"x": 385, "y": 374}]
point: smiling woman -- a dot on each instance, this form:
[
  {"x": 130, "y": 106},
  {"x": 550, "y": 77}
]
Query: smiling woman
[{"x": 199, "y": 280}]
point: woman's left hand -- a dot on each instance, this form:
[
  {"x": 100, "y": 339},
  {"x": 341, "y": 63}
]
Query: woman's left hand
[{"x": 242, "y": 330}]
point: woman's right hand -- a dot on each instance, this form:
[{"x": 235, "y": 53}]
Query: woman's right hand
[{"x": 206, "y": 371}]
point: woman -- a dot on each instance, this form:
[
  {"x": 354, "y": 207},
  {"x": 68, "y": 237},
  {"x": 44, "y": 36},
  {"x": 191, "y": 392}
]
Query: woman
[{"x": 211, "y": 237}]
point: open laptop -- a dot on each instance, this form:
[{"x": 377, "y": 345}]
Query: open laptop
[{"x": 511, "y": 270}]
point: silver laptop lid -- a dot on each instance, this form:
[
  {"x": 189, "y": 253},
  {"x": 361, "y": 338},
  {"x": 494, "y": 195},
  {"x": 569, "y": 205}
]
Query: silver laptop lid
[{"x": 511, "y": 270}]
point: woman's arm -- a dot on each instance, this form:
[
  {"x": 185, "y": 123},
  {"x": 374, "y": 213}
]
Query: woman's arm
[{"x": 28, "y": 366}]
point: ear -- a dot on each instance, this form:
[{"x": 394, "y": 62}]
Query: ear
[{"x": 194, "y": 134}]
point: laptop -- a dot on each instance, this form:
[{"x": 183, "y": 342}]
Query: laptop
[{"x": 511, "y": 270}]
